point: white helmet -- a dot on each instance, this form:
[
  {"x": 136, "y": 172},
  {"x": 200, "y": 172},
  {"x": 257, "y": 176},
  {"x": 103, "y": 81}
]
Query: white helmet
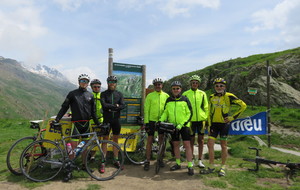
[
  {"x": 156, "y": 80},
  {"x": 83, "y": 76}
]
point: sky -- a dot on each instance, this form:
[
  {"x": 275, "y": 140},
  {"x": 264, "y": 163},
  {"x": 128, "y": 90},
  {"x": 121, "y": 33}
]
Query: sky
[{"x": 170, "y": 37}]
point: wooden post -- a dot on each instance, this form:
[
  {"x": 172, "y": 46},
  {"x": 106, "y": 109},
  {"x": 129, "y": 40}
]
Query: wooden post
[
  {"x": 110, "y": 61},
  {"x": 143, "y": 89},
  {"x": 269, "y": 73}
]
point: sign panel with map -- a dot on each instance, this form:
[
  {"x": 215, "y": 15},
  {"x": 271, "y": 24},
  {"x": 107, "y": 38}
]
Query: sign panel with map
[{"x": 130, "y": 85}]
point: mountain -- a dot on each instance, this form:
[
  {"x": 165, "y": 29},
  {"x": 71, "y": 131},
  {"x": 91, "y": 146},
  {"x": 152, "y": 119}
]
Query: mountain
[
  {"x": 30, "y": 92},
  {"x": 251, "y": 72}
]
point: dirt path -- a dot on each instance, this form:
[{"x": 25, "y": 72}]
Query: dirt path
[{"x": 132, "y": 177}]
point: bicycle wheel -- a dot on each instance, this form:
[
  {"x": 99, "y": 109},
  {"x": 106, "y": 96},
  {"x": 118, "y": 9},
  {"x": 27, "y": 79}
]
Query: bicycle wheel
[
  {"x": 98, "y": 158},
  {"x": 138, "y": 156},
  {"x": 14, "y": 153},
  {"x": 41, "y": 160},
  {"x": 160, "y": 155}
]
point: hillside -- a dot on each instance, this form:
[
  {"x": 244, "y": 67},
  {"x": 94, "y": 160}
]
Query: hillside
[
  {"x": 251, "y": 71},
  {"x": 24, "y": 94}
]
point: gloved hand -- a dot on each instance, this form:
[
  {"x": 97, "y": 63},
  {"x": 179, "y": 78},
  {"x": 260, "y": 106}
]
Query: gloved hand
[
  {"x": 53, "y": 122},
  {"x": 147, "y": 127},
  {"x": 228, "y": 119},
  {"x": 179, "y": 126},
  {"x": 157, "y": 124}
]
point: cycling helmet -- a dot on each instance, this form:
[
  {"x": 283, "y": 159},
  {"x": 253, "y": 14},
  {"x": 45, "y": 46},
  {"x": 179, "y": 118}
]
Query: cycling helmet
[
  {"x": 112, "y": 78},
  {"x": 219, "y": 80},
  {"x": 157, "y": 80},
  {"x": 195, "y": 77},
  {"x": 95, "y": 81},
  {"x": 176, "y": 83},
  {"x": 83, "y": 76}
]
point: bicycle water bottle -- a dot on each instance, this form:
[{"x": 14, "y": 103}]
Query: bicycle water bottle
[
  {"x": 69, "y": 149},
  {"x": 78, "y": 149}
]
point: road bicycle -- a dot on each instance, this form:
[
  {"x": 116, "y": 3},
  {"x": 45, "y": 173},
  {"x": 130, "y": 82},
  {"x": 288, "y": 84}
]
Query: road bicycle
[
  {"x": 167, "y": 129},
  {"x": 44, "y": 159},
  {"x": 16, "y": 149},
  {"x": 139, "y": 140},
  {"x": 292, "y": 168}
]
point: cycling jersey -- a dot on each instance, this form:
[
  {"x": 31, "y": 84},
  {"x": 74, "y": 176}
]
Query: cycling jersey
[
  {"x": 82, "y": 106},
  {"x": 98, "y": 107},
  {"x": 199, "y": 104},
  {"x": 219, "y": 107},
  {"x": 109, "y": 99},
  {"x": 177, "y": 111},
  {"x": 154, "y": 106}
]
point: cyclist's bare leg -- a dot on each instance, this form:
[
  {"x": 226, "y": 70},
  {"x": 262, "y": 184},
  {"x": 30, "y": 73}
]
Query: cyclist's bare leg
[
  {"x": 188, "y": 150},
  {"x": 176, "y": 145},
  {"x": 211, "y": 151},
  {"x": 149, "y": 147},
  {"x": 192, "y": 144},
  {"x": 200, "y": 145},
  {"x": 104, "y": 145},
  {"x": 224, "y": 151},
  {"x": 74, "y": 144},
  {"x": 116, "y": 140},
  {"x": 160, "y": 138}
]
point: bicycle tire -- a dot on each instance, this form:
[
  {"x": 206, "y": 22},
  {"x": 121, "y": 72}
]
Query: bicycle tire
[
  {"x": 14, "y": 152},
  {"x": 249, "y": 160},
  {"x": 42, "y": 160},
  {"x": 138, "y": 156},
  {"x": 93, "y": 164},
  {"x": 160, "y": 155}
]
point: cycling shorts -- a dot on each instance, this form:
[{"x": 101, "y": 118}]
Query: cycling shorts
[
  {"x": 115, "y": 126},
  {"x": 151, "y": 128},
  {"x": 184, "y": 133},
  {"x": 80, "y": 127},
  {"x": 221, "y": 129},
  {"x": 197, "y": 127}
]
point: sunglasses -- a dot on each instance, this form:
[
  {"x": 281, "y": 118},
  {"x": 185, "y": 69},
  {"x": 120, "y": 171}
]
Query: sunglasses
[
  {"x": 157, "y": 84},
  {"x": 217, "y": 86},
  {"x": 195, "y": 82},
  {"x": 111, "y": 82},
  {"x": 96, "y": 86},
  {"x": 83, "y": 81},
  {"x": 175, "y": 88}
]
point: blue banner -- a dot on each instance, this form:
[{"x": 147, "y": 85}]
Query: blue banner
[{"x": 254, "y": 125}]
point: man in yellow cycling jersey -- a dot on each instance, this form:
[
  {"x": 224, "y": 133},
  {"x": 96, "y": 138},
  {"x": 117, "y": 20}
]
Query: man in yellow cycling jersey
[
  {"x": 199, "y": 104},
  {"x": 154, "y": 106},
  {"x": 178, "y": 110},
  {"x": 219, "y": 120}
]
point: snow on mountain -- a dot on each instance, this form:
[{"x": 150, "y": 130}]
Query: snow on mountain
[{"x": 45, "y": 71}]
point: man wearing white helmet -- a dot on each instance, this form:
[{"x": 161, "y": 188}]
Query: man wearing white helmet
[
  {"x": 82, "y": 105},
  {"x": 154, "y": 107}
]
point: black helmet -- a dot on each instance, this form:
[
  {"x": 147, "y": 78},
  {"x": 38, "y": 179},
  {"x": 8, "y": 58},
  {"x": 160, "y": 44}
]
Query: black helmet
[
  {"x": 112, "y": 78},
  {"x": 176, "y": 83},
  {"x": 95, "y": 81},
  {"x": 219, "y": 80}
]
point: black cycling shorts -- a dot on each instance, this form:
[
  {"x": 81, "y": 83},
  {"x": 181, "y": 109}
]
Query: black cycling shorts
[
  {"x": 184, "y": 133},
  {"x": 150, "y": 128},
  {"x": 80, "y": 127},
  {"x": 115, "y": 126},
  {"x": 197, "y": 127},
  {"x": 221, "y": 129}
]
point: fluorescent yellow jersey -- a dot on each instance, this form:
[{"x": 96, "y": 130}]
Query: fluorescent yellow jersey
[
  {"x": 219, "y": 107},
  {"x": 199, "y": 104},
  {"x": 154, "y": 106}
]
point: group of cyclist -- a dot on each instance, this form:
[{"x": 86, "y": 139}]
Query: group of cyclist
[{"x": 191, "y": 112}]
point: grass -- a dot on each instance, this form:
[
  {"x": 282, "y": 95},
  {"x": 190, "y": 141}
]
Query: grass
[{"x": 237, "y": 176}]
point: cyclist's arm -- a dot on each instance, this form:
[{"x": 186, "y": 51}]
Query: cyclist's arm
[
  {"x": 241, "y": 103},
  {"x": 64, "y": 108}
]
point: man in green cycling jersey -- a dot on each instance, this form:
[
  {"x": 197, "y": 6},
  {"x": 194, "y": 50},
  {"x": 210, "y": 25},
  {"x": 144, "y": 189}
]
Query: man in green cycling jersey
[
  {"x": 178, "y": 110},
  {"x": 219, "y": 120},
  {"x": 154, "y": 106},
  {"x": 199, "y": 104}
]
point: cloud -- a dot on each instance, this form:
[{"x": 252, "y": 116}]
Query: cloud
[
  {"x": 171, "y": 8},
  {"x": 71, "y": 5},
  {"x": 21, "y": 27}
]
